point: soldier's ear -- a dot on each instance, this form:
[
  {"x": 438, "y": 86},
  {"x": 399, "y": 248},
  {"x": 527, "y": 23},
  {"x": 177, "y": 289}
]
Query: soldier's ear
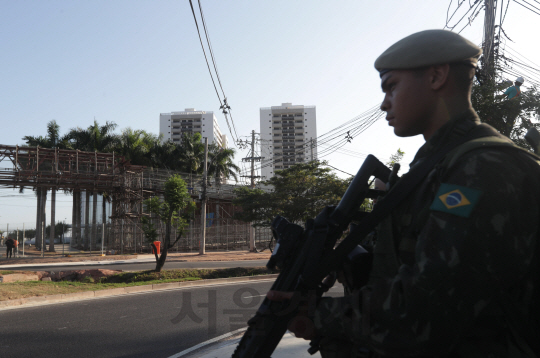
[{"x": 438, "y": 76}]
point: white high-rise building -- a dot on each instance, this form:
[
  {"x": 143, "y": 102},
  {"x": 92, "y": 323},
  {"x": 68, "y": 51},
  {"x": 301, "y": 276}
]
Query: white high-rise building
[
  {"x": 288, "y": 136},
  {"x": 173, "y": 125}
]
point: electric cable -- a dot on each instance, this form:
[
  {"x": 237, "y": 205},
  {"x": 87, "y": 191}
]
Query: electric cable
[
  {"x": 457, "y": 23},
  {"x": 457, "y": 8},
  {"x": 222, "y": 105},
  {"x": 225, "y": 105},
  {"x": 526, "y": 7},
  {"x": 525, "y": 1},
  {"x": 204, "y": 52}
]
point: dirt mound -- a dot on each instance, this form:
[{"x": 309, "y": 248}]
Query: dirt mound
[{"x": 77, "y": 275}]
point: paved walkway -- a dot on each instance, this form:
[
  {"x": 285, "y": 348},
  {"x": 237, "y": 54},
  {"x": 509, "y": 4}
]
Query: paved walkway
[{"x": 53, "y": 259}]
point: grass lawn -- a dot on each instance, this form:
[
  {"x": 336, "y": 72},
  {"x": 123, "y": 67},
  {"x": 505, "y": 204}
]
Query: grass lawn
[{"x": 14, "y": 290}]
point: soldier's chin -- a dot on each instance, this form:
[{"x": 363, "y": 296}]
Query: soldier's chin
[{"x": 400, "y": 132}]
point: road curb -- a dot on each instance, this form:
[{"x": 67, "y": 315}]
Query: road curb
[{"x": 77, "y": 296}]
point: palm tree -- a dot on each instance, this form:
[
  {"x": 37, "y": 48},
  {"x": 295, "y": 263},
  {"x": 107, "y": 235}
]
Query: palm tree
[
  {"x": 94, "y": 138},
  {"x": 221, "y": 165},
  {"x": 191, "y": 153},
  {"x": 165, "y": 155},
  {"x": 52, "y": 140},
  {"x": 135, "y": 146}
]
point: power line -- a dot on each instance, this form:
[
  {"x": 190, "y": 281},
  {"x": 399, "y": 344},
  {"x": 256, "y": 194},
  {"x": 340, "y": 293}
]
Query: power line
[
  {"x": 461, "y": 19},
  {"x": 204, "y": 52},
  {"x": 457, "y": 8},
  {"x": 367, "y": 120},
  {"x": 328, "y": 165},
  {"x": 526, "y": 7},
  {"x": 515, "y": 51},
  {"x": 210, "y": 47},
  {"x": 505, "y": 12},
  {"x": 525, "y": 1},
  {"x": 224, "y": 106}
]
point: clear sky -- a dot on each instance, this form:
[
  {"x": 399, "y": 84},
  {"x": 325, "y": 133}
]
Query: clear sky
[{"x": 129, "y": 60}]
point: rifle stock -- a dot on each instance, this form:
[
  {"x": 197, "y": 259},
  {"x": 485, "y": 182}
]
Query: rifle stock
[{"x": 303, "y": 255}]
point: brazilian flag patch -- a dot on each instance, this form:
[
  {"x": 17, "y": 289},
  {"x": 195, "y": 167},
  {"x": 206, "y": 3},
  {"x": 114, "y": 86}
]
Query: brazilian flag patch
[{"x": 455, "y": 199}]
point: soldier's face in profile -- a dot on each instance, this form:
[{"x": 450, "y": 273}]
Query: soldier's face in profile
[{"x": 407, "y": 101}]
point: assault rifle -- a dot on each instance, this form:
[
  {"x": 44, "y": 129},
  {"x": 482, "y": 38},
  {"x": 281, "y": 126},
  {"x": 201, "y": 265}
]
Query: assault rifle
[{"x": 305, "y": 257}]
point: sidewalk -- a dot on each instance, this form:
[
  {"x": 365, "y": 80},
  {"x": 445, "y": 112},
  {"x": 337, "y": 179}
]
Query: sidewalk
[{"x": 53, "y": 259}]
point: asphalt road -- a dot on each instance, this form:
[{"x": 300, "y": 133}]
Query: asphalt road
[
  {"x": 155, "y": 324},
  {"x": 151, "y": 265}
]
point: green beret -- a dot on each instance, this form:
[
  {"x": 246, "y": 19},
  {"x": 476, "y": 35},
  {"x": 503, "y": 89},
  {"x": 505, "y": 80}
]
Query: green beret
[{"x": 426, "y": 48}]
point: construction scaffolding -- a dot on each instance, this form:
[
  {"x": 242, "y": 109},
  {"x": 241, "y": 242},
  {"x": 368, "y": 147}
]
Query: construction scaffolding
[{"x": 108, "y": 195}]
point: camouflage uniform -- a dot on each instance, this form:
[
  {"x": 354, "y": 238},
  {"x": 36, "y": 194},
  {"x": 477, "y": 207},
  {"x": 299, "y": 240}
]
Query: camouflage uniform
[{"x": 439, "y": 274}]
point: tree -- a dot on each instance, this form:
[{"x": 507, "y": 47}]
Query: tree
[
  {"x": 52, "y": 140},
  {"x": 511, "y": 117},
  {"x": 191, "y": 153},
  {"x": 94, "y": 138},
  {"x": 221, "y": 165},
  {"x": 395, "y": 158},
  {"x": 173, "y": 211},
  {"x": 135, "y": 145},
  {"x": 30, "y": 233},
  {"x": 256, "y": 205},
  {"x": 164, "y": 155},
  {"x": 298, "y": 193},
  {"x": 59, "y": 229}
]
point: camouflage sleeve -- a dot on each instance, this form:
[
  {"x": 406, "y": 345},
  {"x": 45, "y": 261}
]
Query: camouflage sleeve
[{"x": 461, "y": 262}]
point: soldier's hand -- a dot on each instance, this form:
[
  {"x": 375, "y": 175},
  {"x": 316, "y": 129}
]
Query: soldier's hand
[{"x": 301, "y": 325}]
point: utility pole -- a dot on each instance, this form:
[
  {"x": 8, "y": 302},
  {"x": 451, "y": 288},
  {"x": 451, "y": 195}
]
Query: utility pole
[
  {"x": 311, "y": 142},
  {"x": 203, "y": 200},
  {"x": 252, "y": 159},
  {"x": 489, "y": 40}
]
